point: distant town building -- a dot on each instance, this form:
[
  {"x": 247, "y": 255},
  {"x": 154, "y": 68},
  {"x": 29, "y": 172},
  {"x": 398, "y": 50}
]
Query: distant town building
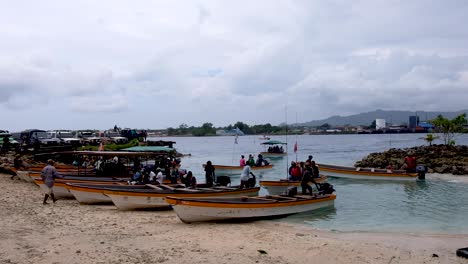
[
  {"x": 380, "y": 124},
  {"x": 413, "y": 121}
]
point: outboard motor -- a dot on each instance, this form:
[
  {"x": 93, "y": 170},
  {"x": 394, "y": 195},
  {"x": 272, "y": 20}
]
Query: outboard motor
[
  {"x": 325, "y": 188},
  {"x": 421, "y": 170},
  {"x": 223, "y": 180}
]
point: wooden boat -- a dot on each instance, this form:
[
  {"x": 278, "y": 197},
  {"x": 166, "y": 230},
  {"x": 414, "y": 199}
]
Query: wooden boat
[
  {"x": 155, "y": 196},
  {"x": 62, "y": 191},
  {"x": 271, "y": 152},
  {"x": 281, "y": 186},
  {"x": 365, "y": 173},
  {"x": 237, "y": 170},
  {"x": 212, "y": 209}
]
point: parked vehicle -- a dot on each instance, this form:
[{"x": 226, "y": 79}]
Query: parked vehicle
[
  {"x": 114, "y": 137},
  {"x": 5, "y": 134},
  {"x": 65, "y": 137},
  {"x": 88, "y": 138}
]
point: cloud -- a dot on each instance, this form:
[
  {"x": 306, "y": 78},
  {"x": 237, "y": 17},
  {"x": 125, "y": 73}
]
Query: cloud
[{"x": 223, "y": 62}]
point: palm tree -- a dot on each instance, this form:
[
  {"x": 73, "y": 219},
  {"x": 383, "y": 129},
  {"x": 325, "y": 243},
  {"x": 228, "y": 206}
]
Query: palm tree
[{"x": 429, "y": 138}]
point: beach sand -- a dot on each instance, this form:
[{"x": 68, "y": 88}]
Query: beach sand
[{"x": 67, "y": 232}]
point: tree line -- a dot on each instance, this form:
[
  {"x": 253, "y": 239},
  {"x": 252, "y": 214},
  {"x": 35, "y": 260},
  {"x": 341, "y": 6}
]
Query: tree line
[{"x": 207, "y": 129}]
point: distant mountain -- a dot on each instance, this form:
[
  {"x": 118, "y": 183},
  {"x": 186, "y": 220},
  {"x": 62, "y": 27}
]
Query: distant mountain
[{"x": 391, "y": 117}]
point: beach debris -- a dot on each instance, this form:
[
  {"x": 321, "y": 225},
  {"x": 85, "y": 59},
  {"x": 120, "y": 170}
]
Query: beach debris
[
  {"x": 435, "y": 255},
  {"x": 261, "y": 251}
]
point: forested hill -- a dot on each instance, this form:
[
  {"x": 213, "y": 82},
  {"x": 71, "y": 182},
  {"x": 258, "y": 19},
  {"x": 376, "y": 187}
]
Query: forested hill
[{"x": 393, "y": 117}]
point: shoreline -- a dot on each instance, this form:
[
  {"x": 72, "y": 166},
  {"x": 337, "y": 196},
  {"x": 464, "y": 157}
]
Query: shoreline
[{"x": 67, "y": 232}]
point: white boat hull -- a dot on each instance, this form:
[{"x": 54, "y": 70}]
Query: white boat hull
[
  {"x": 24, "y": 175},
  {"x": 365, "y": 173},
  {"x": 86, "y": 197},
  {"x": 367, "y": 177},
  {"x": 60, "y": 191},
  {"x": 190, "y": 213},
  {"x": 131, "y": 202}
]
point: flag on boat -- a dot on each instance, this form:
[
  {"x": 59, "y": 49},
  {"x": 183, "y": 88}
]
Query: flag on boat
[{"x": 295, "y": 147}]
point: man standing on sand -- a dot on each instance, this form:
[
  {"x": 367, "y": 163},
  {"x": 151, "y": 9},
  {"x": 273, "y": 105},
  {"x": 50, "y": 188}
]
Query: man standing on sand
[{"x": 48, "y": 175}]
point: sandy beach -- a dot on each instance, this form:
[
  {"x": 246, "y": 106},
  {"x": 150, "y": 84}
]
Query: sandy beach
[{"x": 67, "y": 232}]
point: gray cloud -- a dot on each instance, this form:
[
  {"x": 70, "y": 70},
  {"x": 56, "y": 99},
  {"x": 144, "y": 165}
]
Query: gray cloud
[{"x": 167, "y": 63}]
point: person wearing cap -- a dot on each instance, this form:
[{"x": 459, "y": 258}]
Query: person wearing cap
[{"x": 48, "y": 175}]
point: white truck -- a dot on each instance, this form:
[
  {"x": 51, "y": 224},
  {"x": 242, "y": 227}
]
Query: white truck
[{"x": 64, "y": 137}]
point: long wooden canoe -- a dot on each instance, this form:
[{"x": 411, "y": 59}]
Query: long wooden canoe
[
  {"x": 155, "y": 196},
  {"x": 365, "y": 173},
  {"x": 214, "y": 209}
]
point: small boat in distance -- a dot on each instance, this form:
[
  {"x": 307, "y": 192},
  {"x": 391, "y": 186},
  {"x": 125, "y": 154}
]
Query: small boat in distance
[
  {"x": 367, "y": 173},
  {"x": 273, "y": 148},
  {"x": 264, "y": 137},
  {"x": 245, "y": 208}
]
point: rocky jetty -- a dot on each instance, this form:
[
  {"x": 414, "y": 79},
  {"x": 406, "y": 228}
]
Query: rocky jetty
[{"x": 438, "y": 158}]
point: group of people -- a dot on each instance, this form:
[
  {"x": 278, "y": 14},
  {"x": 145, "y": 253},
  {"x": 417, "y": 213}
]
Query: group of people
[
  {"x": 149, "y": 175},
  {"x": 251, "y": 162},
  {"x": 304, "y": 172},
  {"x": 276, "y": 149}
]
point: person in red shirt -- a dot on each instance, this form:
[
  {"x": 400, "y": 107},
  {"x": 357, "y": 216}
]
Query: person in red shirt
[{"x": 410, "y": 163}]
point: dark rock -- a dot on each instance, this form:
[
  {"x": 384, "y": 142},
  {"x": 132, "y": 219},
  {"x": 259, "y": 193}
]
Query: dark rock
[{"x": 438, "y": 158}]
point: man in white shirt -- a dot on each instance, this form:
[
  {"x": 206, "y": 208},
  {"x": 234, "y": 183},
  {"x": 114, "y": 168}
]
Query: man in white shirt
[
  {"x": 246, "y": 175},
  {"x": 159, "y": 178}
]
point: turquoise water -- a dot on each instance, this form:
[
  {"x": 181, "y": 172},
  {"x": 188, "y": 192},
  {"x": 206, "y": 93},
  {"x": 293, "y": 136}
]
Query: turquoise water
[{"x": 437, "y": 205}]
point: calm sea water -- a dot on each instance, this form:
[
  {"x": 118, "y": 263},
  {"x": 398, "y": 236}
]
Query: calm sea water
[{"x": 437, "y": 205}]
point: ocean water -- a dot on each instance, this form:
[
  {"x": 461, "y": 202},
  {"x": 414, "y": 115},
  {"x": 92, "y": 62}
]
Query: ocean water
[{"x": 438, "y": 204}]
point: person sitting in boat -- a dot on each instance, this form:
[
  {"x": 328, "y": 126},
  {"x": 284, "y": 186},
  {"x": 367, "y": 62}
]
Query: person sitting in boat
[
  {"x": 251, "y": 161},
  {"x": 152, "y": 177},
  {"x": 281, "y": 150},
  {"x": 159, "y": 176},
  {"x": 247, "y": 177},
  {"x": 389, "y": 168},
  {"x": 190, "y": 181},
  {"x": 295, "y": 172},
  {"x": 260, "y": 160},
  {"x": 242, "y": 161},
  {"x": 410, "y": 163},
  {"x": 136, "y": 178}
]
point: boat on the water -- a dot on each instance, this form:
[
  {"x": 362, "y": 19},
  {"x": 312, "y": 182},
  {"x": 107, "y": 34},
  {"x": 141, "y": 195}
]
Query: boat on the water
[
  {"x": 273, "y": 148},
  {"x": 154, "y": 196},
  {"x": 244, "y": 208},
  {"x": 280, "y": 186},
  {"x": 367, "y": 173},
  {"x": 237, "y": 170}
]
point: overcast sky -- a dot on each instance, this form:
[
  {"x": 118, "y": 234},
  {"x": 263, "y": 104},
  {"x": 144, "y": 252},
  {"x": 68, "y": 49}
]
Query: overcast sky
[{"x": 158, "y": 64}]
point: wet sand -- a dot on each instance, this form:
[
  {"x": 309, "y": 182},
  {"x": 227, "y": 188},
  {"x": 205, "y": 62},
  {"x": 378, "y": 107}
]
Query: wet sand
[{"x": 67, "y": 232}]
